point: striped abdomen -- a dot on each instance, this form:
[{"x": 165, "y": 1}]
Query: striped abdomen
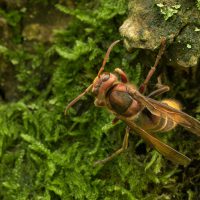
[{"x": 155, "y": 123}]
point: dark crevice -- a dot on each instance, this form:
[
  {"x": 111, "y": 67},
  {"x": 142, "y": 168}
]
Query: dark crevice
[
  {"x": 180, "y": 31},
  {"x": 2, "y": 94}
]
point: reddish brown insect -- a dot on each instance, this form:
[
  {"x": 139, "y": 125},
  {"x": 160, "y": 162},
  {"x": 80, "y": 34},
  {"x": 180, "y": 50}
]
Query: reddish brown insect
[{"x": 141, "y": 113}]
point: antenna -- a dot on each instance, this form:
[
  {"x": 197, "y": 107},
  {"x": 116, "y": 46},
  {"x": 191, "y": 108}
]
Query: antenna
[{"x": 99, "y": 73}]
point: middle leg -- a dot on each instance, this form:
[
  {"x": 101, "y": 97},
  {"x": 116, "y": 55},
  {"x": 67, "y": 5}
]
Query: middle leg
[
  {"x": 116, "y": 153},
  {"x": 161, "y": 88}
]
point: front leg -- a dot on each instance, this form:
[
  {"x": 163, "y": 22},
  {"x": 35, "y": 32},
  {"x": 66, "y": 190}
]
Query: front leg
[
  {"x": 122, "y": 74},
  {"x": 143, "y": 86},
  {"x": 116, "y": 153}
]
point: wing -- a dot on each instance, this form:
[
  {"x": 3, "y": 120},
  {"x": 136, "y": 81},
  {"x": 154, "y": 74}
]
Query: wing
[
  {"x": 161, "y": 109},
  {"x": 161, "y": 147}
]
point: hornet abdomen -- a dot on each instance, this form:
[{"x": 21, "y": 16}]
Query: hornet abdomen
[{"x": 155, "y": 123}]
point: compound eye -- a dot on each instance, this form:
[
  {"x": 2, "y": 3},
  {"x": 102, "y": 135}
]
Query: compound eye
[{"x": 105, "y": 77}]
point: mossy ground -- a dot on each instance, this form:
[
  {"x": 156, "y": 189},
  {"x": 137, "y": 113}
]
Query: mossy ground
[{"x": 46, "y": 155}]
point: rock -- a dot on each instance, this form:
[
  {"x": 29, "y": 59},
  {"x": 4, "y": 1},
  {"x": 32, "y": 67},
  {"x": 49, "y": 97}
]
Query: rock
[{"x": 177, "y": 20}]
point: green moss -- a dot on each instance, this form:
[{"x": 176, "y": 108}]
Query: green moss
[
  {"x": 198, "y": 4},
  {"x": 168, "y": 11},
  {"x": 46, "y": 155}
]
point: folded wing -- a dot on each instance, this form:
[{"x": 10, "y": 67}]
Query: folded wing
[
  {"x": 161, "y": 147},
  {"x": 161, "y": 110}
]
